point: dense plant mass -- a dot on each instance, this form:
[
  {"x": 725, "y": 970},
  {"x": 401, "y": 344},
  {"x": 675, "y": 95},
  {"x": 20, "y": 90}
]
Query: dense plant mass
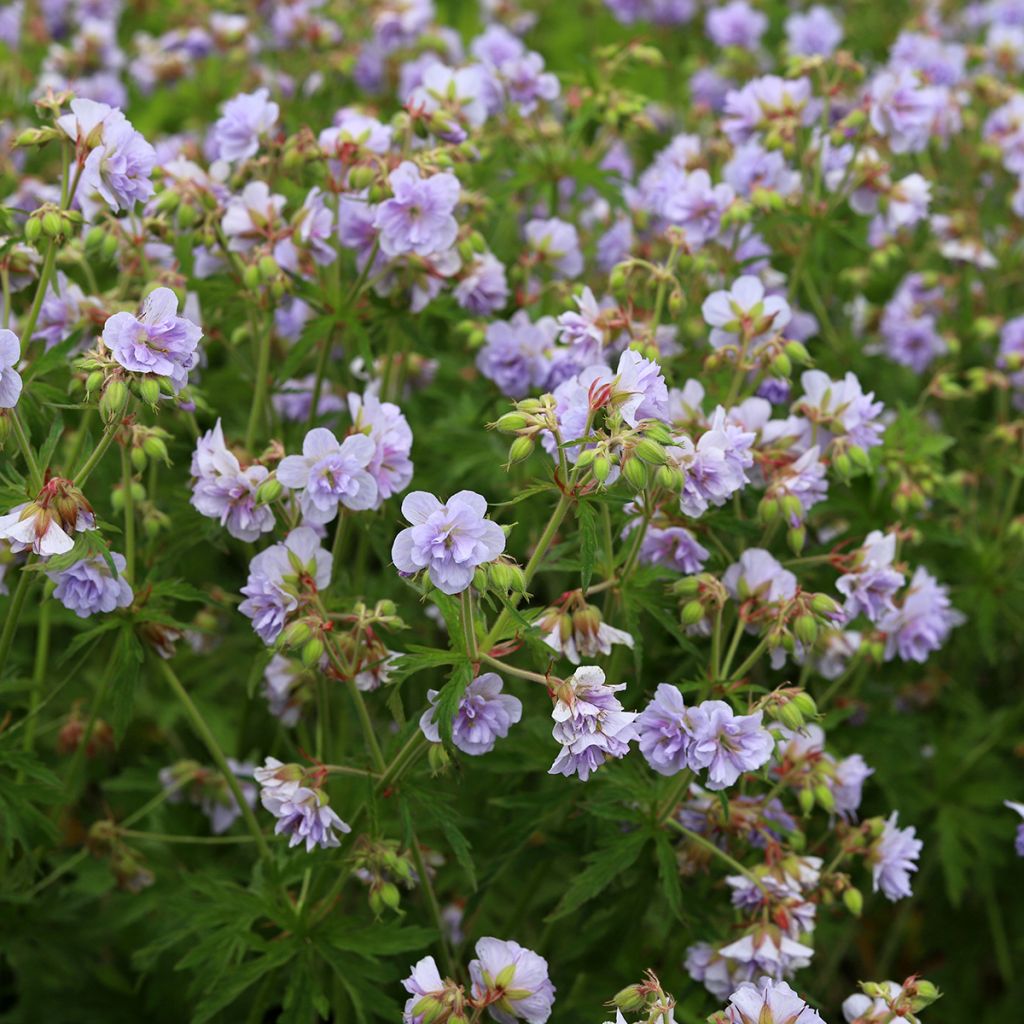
[{"x": 511, "y": 512}]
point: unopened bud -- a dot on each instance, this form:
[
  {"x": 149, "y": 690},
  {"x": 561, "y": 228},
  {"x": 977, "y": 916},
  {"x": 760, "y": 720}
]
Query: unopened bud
[
  {"x": 521, "y": 448},
  {"x": 806, "y": 629},
  {"x": 854, "y": 901},
  {"x": 149, "y": 391},
  {"x": 825, "y": 797},
  {"x": 511, "y": 422},
  {"x": 650, "y": 451},
  {"x": 692, "y": 613},
  {"x": 635, "y": 473},
  {"x": 269, "y": 491}
]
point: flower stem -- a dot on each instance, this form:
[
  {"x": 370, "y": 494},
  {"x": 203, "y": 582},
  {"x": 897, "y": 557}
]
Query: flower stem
[
  {"x": 259, "y": 394},
  {"x": 13, "y": 615},
  {"x": 35, "y": 475},
  {"x": 129, "y": 515},
  {"x": 37, "y": 303},
  {"x": 109, "y": 433},
  {"x": 511, "y": 670},
  {"x": 206, "y": 735},
  {"x": 705, "y": 844},
  {"x": 448, "y": 961},
  {"x": 39, "y": 670}
]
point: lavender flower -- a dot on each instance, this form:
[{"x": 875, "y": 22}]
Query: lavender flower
[
  {"x": 516, "y": 353},
  {"x": 116, "y": 160},
  {"x": 422, "y": 985},
  {"x": 483, "y": 287},
  {"x": 246, "y": 119},
  {"x": 418, "y": 218},
  {"x": 744, "y": 310},
  {"x": 10, "y": 379},
  {"x": 278, "y": 575},
  {"x": 590, "y": 723},
  {"x": 903, "y": 110},
  {"x": 715, "y": 468},
  {"x": 842, "y": 408},
  {"x": 527, "y": 83},
  {"x": 674, "y": 547},
  {"x": 870, "y": 586},
  {"x": 1018, "y": 844},
  {"x": 90, "y": 586},
  {"x": 736, "y": 24},
  {"x": 923, "y": 622},
  {"x": 893, "y": 857},
  {"x": 581, "y": 634},
  {"x": 485, "y": 715},
  {"x": 45, "y": 525},
  {"x": 329, "y": 474},
  {"x": 282, "y": 682},
  {"x": 222, "y": 490},
  {"x": 388, "y": 429},
  {"x": 768, "y": 1002},
  {"x": 759, "y": 576},
  {"x": 661, "y": 728},
  {"x": 158, "y": 342},
  {"x": 556, "y": 245},
  {"x": 304, "y": 815},
  {"x": 813, "y": 32},
  {"x": 448, "y": 540},
  {"x": 726, "y": 744},
  {"x": 514, "y": 981}
]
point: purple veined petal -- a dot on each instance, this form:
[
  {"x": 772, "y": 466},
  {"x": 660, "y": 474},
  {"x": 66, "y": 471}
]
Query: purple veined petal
[
  {"x": 10, "y": 348},
  {"x": 492, "y": 539},
  {"x": 401, "y": 553},
  {"x": 160, "y": 305},
  {"x": 10, "y": 388},
  {"x": 451, "y": 578},
  {"x": 359, "y": 448},
  {"x": 366, "y": 494},
  {"x": 477, "y": 503},
  {"x": 419, "y": 506}
]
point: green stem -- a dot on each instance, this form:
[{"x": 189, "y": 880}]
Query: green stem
[
  {"x": 448, "y": 961},
  {"x": 39, "y": 671},
  {"x": 109, "y": 433},
  {"x": 749, "y": 662},
  {"x": 705, "y": 844},
  {"x": 168, "y": 837},
  {"x": 206, "y": 735},
  {"x": 511, "y": 670},
  {"x": 731, "y": 652},
  {"x": 34, "y": 473},
  {"x": 13, "y": 615},
  {"x": 129, "y": 514},
  {"x": 468, "y": 625},
  {"x": 531, "y": 567},
  {"x": 37, "y": 303},
  {"x": 259, "y": 393},
  {"x": 71, "y": 787},
  {"x": 340, "y": 531}
]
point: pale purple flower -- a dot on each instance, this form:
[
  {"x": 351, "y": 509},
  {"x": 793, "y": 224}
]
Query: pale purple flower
[
  {"x": 485, "y": 715},
  {"x": 870, "y": 585},
  {"x": 281, "y": 680},
  {"x": 520, "y": 974},
  {"x": 893, "y": 858},
  {"x": 715, "y": 468},
  {"x": 661, "y": 728},
  {"x": 388, "y": 429},
  {"x": 803, "y": 479},
  {"x": 638, "y": 387},
  {"x": 754, "y": 167},
  {"x": 582, "y": 331},
  {"x": 1005, "y": 127},
  {"x": 842, "y": 408},
  {"x": 246, "y": 119},
  {"x": 119, "y": 161},
  {"x": 909, "y": 325},
  {"x": 314, "y": 229},
  {"x": 556, "y": 244},
  {"x": 847, "y": 783},
  {"x": 674, "y": 547},
  {"x": 923, "y": 622},
  {"x": 516, "y": 353},
  {"x": 759, "y": 576},
  {"x": 527, "y": 83},
  {"x": 222, "y": 490},
  {"x": 726, "y": 744},
  {"x": 418, "y": 218},
  {"x": 10, "y": 379},
  {"x": 770, "y": 953},
  {"x": 329, "y": 474},
  {"x": 588, "y": 638},
  {"x": 1018, "y": 844},
  {"x": 744, "y": 309},
  {"x": 158, "y": 341},
  {"x": 590, "y": 723},
  {"x": 45, "y": 525},
  {"x": 448, "y": 540},
  {"x": 293, "y": 398},
  {"x": 277, "y": 575},
  {"x": 813, "y": 32},
  {"x": 483, "y": 287},
  {"x": 61, "y": 311},
  {"x": 903, "y": 110},
  {"x": 939, "y": 62},
  {"x": 696, "y": 205},
  {"x": 90, "y": 586},
  {"x": 249, "y": 218},
  {"x": 862, "y": 1009},
  {"x": 304, "y": 815},
  {"x": 456, "y": 96},
  {"x": 736, "y": 24},
  {"x": 765, "y": 100},
  {"x": 769, "y": 1002},
  {"x": 425, "y": 980}
]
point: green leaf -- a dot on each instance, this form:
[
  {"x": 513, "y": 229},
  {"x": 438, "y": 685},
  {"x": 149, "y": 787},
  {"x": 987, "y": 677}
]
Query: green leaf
[
  {"x": 124, "y": 670},
  {"x": 668, "y": 873},
  {"x": 586, "y": 519},
  {"x": 603, "y": 867},
  {"x": 449, "y": 697}
]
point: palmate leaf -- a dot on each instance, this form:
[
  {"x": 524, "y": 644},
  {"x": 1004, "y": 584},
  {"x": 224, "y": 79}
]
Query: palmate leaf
[
  {"x": 24, "y": 784},
  {"x": 449, "y": 697}
]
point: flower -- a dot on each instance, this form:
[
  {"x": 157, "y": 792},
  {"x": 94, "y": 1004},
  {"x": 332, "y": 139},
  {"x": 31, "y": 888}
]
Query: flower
[
  {"x": 158, "y": 342},
  {"x": 222, "y": 490},
  {"x": 556, "y": 244},
  {"x": 758, "y": 575},
  {"x": 904, "y": 110},
  {"x": 45, "y": 525},
  {"x": 736, "y": 24},
  {"x": 744, "y": 310},
  {"x": 715, "y": 468},
  {"x": 893, "y": 857},
  {"x": 424, "y": 986},
  {"x": 448, "y": 540},
  {"x": 514, "y": 980},
  {"x": 527, "y": 82},
  {"x": 245, "y": 120},
  {"x": 418, "y": 218},
  {"x": 923, "y": 622},
  {"x": 278, "y": 575},
  {"x": 1018, "y": 844},
  {"x": 768, "y": 1002},
  {"x": 330, "y": 474},
  {"x": 726, "y": 744},
  {"x": 119, "y": 162},
  {"x": 869, "y": 587},
  {"x": 388, "y": 429},
  {"x": 581, "y": 633},
  {"x": 10, "y": 379},
  {"x": 516, "y": 353},
  {"x": 675, "y": 547},
  {"x": 485, "y": 715},
  {"x": 661, "y": 728},
  {"x": 483, "y": 287},
  {"x": 842, "y": 408},
  {"x": 282, "y": 688},
  {"x": 590, "y": 723},
  {"x": 305, "y": 815},
  {"x": 813, "y": 32},
  {"x": 90, "y": 586}
]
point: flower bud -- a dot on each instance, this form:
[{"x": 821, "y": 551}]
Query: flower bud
[
  {"x": 269, "y": 491},
  {"x": 511, "y": 422},
  {"x": 51, "y": 223},
  {"x": 294, "y": 634},
  {"x": 687, "y": 586},
  {"x": 806, "y": 800},
  {"x": 650, "y": 451},
  {"x": 155, "y": 448},
  {"x": 602, "y": 467},
  {"x": 806, "y": 629},
  {"x": 113, "y": 399},
  {"x": 630, "y": 999},
  {"x": 805, "y": 702},
  {"x": 521, "y": 448},
  {"x": 251, "y": 277},
  {"x": 670, "y": 478},
  {"x": 312, "y": 651},
  {"x": 33, "y": 229},
  {"x": 138, "y": 457},
  {"x": 789, "y": 715},
  {"x": 93, "y": 381},
  {"x": 825, "y": 797},
  {"x": 692, "y": 613},
  {"x": 854, "y": 901},
  {"x": 480, "y": 579},
  {"x": 796, "y": 536},
  {"x": 635, "y": 473},
  {"x": 925, "y": 993},
  {"x": 149, "y": 391}
]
